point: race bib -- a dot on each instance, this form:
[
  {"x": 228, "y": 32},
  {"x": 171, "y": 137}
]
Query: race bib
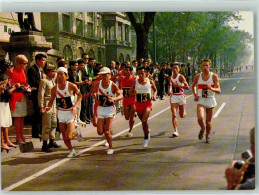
[
  {"x": 104, "y": 101},
  {"x": 143, "y": 97}
]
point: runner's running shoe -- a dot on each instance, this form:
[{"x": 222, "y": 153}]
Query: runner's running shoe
[
  {"x": 110, "y": 151},
  {"x": 129, "y": 134},
  {"x": 208, "y": 139},
  {"x": 175, "y": 134},
  {"x": 145, "y": 143},
  {"x": 72, "y": 154},
  {"x": 201, "y": 135}
]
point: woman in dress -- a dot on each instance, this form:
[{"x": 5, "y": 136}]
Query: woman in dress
[
  {"x": 18, "y": 103},
  {"x": 6, "y": 68}
]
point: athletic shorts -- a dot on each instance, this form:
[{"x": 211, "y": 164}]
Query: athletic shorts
[
  {"x": 95, "y": 109},
  {"x": 128, "y": 101},
  {"x": 106, "y": 112},
  {"x": 178, "y": 99},
  {"x": 209, "y": 102},
  {"x": 141, "y": 106},
  {"x": 66, "y": 116}
]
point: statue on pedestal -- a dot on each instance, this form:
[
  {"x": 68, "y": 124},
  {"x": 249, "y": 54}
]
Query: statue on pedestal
[{"x": 27, "y": 24}]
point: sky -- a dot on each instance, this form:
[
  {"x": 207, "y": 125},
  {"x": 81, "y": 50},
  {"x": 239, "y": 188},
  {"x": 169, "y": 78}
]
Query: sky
[{"x": 247, "y": 22}]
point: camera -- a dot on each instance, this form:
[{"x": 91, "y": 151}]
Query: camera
[{"x": 250, "y": 171}]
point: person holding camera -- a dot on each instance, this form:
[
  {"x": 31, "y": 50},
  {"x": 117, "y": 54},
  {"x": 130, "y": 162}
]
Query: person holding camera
[
  {"x": 18, "y": 103},
  {"x": 244, "y": 177}
]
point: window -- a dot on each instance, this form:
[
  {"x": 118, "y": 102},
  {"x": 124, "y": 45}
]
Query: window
[
  {"x": 66, "y": 23},
  {"x": 90, "y": 30},
  {"x": 91, "y": 16},
  {"x": 126, "y": 33},
  {"x": 79, "y": 27},
  {"x": 5, "y": 28},
  {"x": 119, "y": 36}
]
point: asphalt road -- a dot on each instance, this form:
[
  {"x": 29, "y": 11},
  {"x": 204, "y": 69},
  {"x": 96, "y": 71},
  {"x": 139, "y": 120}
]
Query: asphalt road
[{"x": 183, "y": 163}]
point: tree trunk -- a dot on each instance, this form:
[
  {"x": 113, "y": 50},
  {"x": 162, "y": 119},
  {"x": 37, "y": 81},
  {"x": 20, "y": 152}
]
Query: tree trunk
[
  {"x": 141, "y": 30},
  {"x": 142, "y": 44}
]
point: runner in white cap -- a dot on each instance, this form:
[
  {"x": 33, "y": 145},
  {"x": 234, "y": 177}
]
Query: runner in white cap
[
  {"x": 104, "y": 96},
  {"x": 64, "y": 91}
]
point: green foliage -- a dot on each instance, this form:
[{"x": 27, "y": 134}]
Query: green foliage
[{"x": 198, "y": 35}]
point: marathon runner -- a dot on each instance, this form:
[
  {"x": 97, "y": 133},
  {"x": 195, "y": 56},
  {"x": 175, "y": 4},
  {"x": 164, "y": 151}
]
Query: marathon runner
[
  {"x": 208, "y": 85},
  {"x": 177, "y": 98}
]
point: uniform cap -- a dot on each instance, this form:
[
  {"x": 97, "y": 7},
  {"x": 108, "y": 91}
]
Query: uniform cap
[
  {"x": 104, "y": 70},
  {"x": 62, "y": 69}
]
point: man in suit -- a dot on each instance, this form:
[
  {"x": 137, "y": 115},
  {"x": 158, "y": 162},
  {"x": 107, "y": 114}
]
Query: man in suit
[
  {"x": 34, "y": 77},
  {"x": 85, "y": 89}
]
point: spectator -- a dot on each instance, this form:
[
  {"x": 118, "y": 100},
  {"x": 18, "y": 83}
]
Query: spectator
[
  {"x": 85, "y": 89},
  {"x": 141, "y": 60},
  {"x": 235, "y": 176},
  {"x": 127, "y": 63},
  {"x": 34, "y": 77},
  {"x": 62, "y": 64},
  {"x": 18, "y": 103},
  {"x": 134, "y": 66},
  {"x": 188, "y": 73},
  {"x": 49, "y": 118},
  {"x": 161, "y": 79},
  {"x": 5, "y": 114},
  {"x": 168, "y": 74},
  {"x": 59, "y": 59},
  {"x": 72, "y": 71},
  {"x": 118, "y": 67}
]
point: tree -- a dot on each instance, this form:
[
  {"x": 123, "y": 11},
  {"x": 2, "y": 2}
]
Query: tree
[{"x": 141, "y": 26}]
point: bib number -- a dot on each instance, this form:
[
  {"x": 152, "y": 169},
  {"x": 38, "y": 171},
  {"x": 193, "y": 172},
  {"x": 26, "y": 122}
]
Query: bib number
[
  {"x": 64, "y": 103},
  {"x": 143, "y": 97},
  {"x": 104, "y": 101},
  {"x": 125, "y": 91},
  {"x": 176, "y": 89},
  {"x": 204, "y": 93}
]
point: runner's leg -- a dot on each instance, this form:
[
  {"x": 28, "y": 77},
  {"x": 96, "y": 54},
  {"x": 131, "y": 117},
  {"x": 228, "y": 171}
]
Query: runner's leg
[{"x": 174, "y": 108}]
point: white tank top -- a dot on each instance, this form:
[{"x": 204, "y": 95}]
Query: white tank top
[
  {"x": 177, "y": 90},
  {"x": 65, "y": 93},
  {"x": 103, "y": 95},
  {"x": 202, "y": 91},
  {"x": 143, "y": 88},
  {"x": 107, "y": 91}
]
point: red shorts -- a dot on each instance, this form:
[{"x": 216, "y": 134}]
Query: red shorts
[
  {"x": 95, "y": 109},
  {"x": 128, "y": 101},
  {"x": 141, "y": 106}
]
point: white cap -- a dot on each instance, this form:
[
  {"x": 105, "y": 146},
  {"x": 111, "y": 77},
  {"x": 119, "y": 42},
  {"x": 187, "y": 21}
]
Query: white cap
[
  {"x": 62, "y": 69},
  {"x": 104, "y": 70}
]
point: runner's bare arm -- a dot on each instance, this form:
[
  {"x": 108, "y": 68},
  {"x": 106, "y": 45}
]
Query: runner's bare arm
[
  {"x": 132, "y": 91},
  {"x": 75, "y": 89},
  {"x": 153, "y": 86},
  {"x": 94, "y": 91},
  {"x": 115, "y": 89},
  {"x": 217, "y": 88},
  {"x": 194, "y": 91},
  {"x": 183, "y": 80}
]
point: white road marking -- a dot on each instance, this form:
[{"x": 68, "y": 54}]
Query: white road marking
[
  {"x": 219, "y": 110},
  {"x": 11, "y": 187},
  {"x": 233, "y": 88}
]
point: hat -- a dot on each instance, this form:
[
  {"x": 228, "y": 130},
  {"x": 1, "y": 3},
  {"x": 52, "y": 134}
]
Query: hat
[
  {"x": 62, "y": 69},
  {"x": 104, "y": 70},
  {"x": 176, "y": 63},
  {"x": 50, "y": 67}
]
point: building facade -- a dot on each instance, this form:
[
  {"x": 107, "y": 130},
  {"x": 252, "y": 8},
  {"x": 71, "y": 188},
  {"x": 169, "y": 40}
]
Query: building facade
[{"x": 105, "y": 36}]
